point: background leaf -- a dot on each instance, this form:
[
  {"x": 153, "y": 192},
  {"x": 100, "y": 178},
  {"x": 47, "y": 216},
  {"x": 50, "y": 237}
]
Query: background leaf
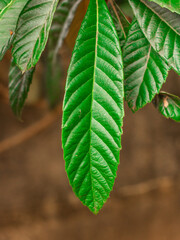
[
  {"x": 93, "y": 108},
  {"x": 145, "y": 71},
  {"x": 18, "y": 87},
  {"x": 62, "y": 22},
  {"x": 161, "y": 27},
  {"x": 53, "y": 80},
  {"x": 32, "y": 32},
  {"x": 173, "y": 5},
  {"x": 168, "y": 105},
  {"x": 8, "y": 20},
  {"x": 120, "y": 21}
]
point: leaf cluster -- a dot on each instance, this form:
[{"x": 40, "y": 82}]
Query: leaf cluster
[{"x": 115, "y": 58}]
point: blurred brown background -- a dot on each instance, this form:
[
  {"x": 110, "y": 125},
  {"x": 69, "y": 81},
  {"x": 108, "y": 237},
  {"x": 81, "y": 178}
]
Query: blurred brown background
[{"x": 36, "y": 201}]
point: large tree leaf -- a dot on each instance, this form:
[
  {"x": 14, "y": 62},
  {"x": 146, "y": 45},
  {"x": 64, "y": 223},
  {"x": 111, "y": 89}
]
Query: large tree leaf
[
  {"x": 18, "y": 87},
  {"x": 32, "y": 32},
  {"x": 145, "y": 71},
  {"x": 173, "y": 5},
  {"x": 162, "y": 29},
  {"x": 168, "y": 105},
  {"x": 120, "y": 21},
  {"x": 93, "y": 108},
  {"x": 8, "y": 20}
]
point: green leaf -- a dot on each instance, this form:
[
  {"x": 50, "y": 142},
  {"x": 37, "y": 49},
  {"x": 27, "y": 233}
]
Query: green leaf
[
  {"x": 172, "y": 5},
  {"x": 3, "y": 4},
  {"x": 93, "y": 108},
  {"x": 145, "y": 71},
  {"x": 8, "y": 20},
  {"x": 18, "y": 87},
  {"x": 62, "y": 21},
  {"x": 32, "y": 32},
  {"x": 120, "y": 21},
  {"x": 161, "y": 27},
  {"x": 168, "y": 105}
]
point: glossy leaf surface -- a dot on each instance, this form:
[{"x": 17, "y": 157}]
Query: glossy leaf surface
[
  {"x": 145, "y": 71},
  {"x": 161, "y": 27},
  {"x": 18, "y": 87},
  {"x": 172, "y": 5},
  {"x": 32, "y": 32},
  {"x": 168, "y": 105},
  {"x": 93, "y": 108},
  {"x": 8, "y": 20},
  {"x": 120, "y": 21}
]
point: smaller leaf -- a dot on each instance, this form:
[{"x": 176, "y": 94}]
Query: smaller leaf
[
  {"x": 145, "y": 71},
  {"x": 162, "y": 29},
  {"x": 168, "y": 105},
  {"x": 120, "y": 21},
  {"x": 32, "y": 32},
  {"x": 172, "y": 5},
  {"x": 8, "y": 20},
  {"x": 18, "y": 87}
]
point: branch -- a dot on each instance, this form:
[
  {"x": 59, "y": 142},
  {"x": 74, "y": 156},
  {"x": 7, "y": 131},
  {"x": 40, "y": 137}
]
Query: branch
[{"x": 29, "y": 132}]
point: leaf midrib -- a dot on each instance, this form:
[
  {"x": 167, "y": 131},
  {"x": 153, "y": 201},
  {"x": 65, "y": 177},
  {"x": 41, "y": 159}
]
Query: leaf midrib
[
  {"x": 94, "y": 75},
  {"x": 145, "y": 67},
  {"x": 5, "y": 9},
  {"x": 162, "y": 19}
]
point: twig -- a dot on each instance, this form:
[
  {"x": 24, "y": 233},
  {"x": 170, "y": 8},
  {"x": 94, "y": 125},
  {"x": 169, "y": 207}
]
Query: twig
[
  {"x": 146, "y": 187},
  {"x": 29, "y": 132}
]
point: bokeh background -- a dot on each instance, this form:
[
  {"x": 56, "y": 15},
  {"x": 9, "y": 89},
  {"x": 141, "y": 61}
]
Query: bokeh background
[{"x": 36, "y": 201}]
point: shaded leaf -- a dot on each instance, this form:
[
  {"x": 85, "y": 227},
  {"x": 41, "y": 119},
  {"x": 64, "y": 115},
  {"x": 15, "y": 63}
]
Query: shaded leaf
[
  {"x": 93, "y": 108},
  {"x": 120, "y": 21},
  {"x": 62, "y": 22},
  {"x": 18, "y": 87},
  {"x": 168, "y": 105},
  {"x": 161, "y": 27},
  {"x": 172, "y": 5},
  {"x": 8, "y": 21},
  {"x": 145, "y": 71},
  {"x": 53, "y": 77},
  {"x": 32, "y": 32}
]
